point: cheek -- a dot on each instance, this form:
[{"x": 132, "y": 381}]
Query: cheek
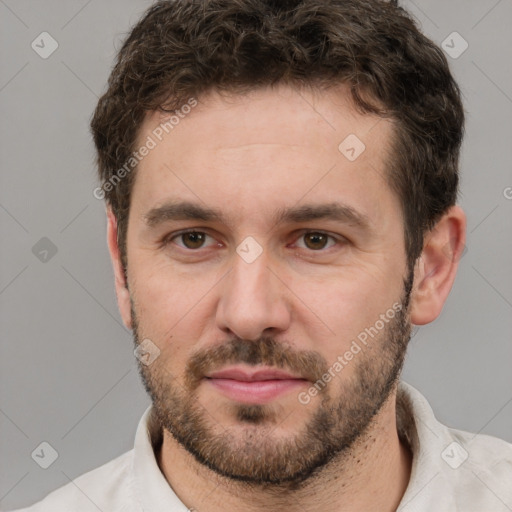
[
  {"x": 160, "y": 289},
  {"x": 173, "y": 310},
  {"x": 342, "y": 306}
]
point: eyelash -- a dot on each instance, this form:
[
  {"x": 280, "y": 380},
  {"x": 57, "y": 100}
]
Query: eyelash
[{"x": 169, "y": 239}]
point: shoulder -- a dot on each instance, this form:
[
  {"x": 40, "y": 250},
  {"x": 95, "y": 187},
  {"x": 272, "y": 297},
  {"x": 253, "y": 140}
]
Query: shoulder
[
  {"x": 484, "y": 450},
  {"x": 107, "y": 487},
  {"x": 484, "y": 477},
  {"x": 452, "y": 469}
]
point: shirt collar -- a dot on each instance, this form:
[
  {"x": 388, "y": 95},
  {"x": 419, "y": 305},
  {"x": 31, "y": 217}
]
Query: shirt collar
[
  {"x": 427, "y": 438},
  {"x": 150, "y": 486}
]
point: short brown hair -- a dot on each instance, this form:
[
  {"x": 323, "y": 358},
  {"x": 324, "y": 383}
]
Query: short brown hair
[{"x": 181, "y": 49}]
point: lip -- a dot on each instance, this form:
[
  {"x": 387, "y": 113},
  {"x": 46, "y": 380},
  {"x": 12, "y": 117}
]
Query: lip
[
  {"x": 240, "y": 374},
  {"x": 254, "y": 386}
]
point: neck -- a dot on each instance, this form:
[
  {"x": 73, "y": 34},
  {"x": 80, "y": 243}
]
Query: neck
[{"x": 373, "y": 475}]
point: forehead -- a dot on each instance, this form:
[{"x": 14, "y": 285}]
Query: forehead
[
  {"x": 266, "y": 150},
  {"x": 280, "y": 114}
]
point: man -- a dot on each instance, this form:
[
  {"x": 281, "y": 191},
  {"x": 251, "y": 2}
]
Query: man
[{"x": 281, "y": 182}]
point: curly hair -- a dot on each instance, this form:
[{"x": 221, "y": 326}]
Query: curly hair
[{"x": 181, "y": 49}]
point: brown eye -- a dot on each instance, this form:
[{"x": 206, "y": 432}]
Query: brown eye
[
  {"x": 193, "y": 239},
  {"x": 315, "y": 241}
]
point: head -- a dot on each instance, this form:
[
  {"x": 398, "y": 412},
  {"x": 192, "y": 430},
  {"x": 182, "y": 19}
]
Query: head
[{"x": 310, "y": 150}]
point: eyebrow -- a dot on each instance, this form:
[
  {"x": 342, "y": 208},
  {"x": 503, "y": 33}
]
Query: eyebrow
[{"x": 186, "y": 210}]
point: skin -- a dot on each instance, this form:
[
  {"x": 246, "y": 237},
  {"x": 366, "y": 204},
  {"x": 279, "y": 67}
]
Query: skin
[{"x": 247, "y": 156}]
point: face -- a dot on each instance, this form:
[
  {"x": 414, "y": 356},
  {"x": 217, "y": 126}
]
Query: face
[{"x": 266, "y": 267}]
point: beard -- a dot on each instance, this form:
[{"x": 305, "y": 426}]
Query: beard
[{"x": 250, "y": 451}]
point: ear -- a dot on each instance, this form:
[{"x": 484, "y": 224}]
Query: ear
[
  {"x": 123, "y": 295},
  {"x": 436, "y": 268}
]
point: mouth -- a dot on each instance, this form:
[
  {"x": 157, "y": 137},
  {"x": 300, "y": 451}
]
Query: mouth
[{"x": 254, "y": 386}]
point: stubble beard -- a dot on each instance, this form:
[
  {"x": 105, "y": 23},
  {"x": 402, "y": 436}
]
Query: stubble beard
[{"x": 251, "y": 452}]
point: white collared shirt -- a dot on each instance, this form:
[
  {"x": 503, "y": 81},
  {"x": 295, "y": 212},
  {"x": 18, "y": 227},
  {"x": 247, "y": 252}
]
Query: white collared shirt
[{"x": 452, "y": 470}]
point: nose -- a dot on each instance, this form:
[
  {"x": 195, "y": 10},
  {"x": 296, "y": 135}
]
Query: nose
[{"x": 253, "y": 300}]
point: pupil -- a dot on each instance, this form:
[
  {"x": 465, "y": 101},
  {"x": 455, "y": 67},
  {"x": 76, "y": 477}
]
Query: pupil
[
  {"x": 315, "y": 237},
  {"x": 195, "y": 239}
]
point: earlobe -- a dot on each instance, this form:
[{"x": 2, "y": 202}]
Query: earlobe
[
  {"x": 436, "y": 268},
  {"x": 122, "y": 292}
]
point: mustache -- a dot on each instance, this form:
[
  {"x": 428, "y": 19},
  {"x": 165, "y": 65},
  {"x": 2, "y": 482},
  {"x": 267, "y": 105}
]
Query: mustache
[{"x": 266, "y": 351}]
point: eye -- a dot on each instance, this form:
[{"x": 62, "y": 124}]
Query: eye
[
  {"x": 190, "y": 239},
  {"x": 317, "y": 240}
]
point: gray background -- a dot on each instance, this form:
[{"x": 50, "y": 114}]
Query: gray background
[{"x": 68, "y": 374}]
